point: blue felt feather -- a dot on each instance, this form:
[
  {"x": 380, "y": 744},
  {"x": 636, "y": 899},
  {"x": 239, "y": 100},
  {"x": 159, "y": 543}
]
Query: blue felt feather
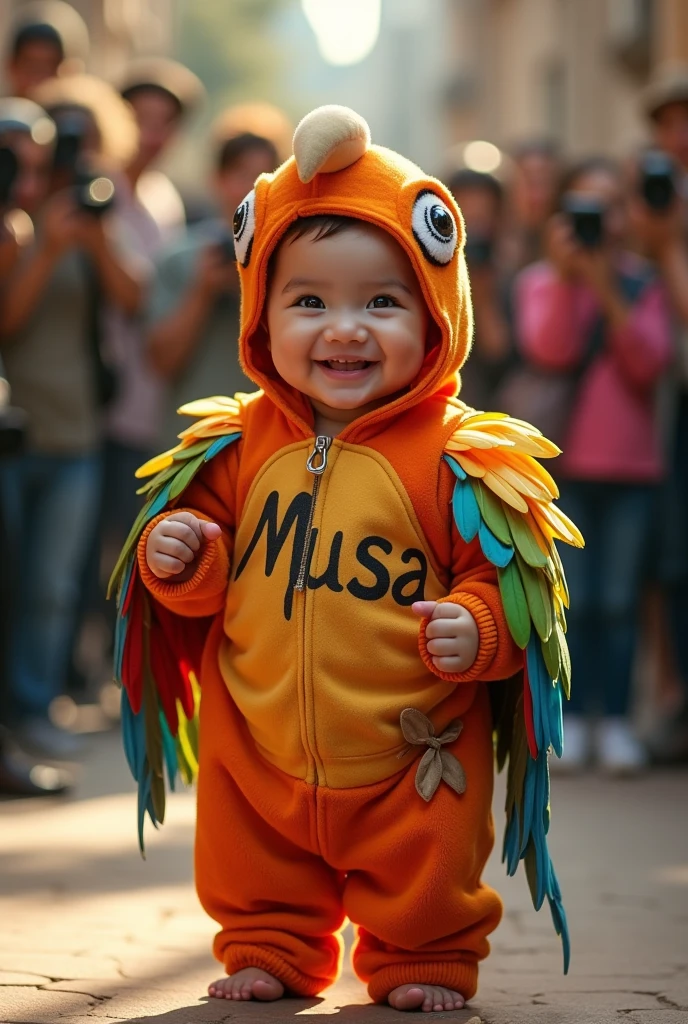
[
  {"x": 218, "y": 445},
  {"x": 466, "y": 511},
  {"x": 158, "y": 504},
  {"x": 455, "y": 467},
  {"x": 493, "y": 549},
  {"x": 511, "y": 852},
  {"x": 169, "y": 750}
]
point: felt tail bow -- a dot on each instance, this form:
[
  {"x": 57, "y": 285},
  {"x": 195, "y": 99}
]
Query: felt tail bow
[{"x": 505, "y": 498}]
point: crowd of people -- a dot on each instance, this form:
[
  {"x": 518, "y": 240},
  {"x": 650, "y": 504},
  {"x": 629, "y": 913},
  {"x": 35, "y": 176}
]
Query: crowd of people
[{"x": 118, "y": 303}]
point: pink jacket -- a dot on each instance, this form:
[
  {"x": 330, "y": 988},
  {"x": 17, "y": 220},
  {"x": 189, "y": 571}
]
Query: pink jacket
[{"x": 613, "y": 433}]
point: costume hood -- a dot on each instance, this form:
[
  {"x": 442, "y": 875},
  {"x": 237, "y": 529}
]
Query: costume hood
[{"x": 336, "y": 170}]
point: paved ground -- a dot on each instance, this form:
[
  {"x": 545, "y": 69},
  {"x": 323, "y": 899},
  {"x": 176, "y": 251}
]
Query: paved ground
[{"x": 90, "y": 933}]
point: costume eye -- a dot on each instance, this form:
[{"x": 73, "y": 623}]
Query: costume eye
[
  {"x": 434, "y": 228},
  {"x": 244, "y": 225}
]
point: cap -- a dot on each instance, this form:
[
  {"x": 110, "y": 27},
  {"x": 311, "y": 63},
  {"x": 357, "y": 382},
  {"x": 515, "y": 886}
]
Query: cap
[{"x": 168, "y": 75}]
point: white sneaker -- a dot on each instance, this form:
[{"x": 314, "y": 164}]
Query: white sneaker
[
  {"x": 577, "y": 746},
  {"x": 617, "y": 749}
]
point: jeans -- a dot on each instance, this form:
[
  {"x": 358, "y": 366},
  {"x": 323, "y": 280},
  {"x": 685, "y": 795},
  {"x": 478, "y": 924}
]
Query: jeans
[
  {"x": 605, "y": 583},
  {"x": 677, "y": 589},
  {"x": 50, "y": 504}
]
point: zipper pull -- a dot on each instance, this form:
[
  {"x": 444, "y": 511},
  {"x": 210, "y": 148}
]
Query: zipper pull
[{"x": 317, "y": 460}]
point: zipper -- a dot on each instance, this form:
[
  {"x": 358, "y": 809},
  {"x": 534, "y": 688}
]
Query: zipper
[{"x": 316, "y": 464}]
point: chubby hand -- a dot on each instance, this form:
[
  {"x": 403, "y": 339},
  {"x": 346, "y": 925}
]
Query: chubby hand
[
  {"x": 451, "y": 634},
  {"x": 174, "y": 545}
]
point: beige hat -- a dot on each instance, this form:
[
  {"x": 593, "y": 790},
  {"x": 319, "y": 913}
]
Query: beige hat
[
  {"x": 669, "y": 85},
  {"x": 162, "y": 73}
]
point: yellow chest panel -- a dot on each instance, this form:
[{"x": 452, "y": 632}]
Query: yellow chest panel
[{"x": 321, "y": 674}]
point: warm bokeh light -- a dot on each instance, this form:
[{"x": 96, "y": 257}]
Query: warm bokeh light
[
  {"x": 346, "y": 30},
  {"x": 482, "y": 156}
]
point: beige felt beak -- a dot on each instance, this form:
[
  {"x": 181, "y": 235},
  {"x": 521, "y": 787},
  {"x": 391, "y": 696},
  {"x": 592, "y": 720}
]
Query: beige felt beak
[{"x": 329, "y": 139}]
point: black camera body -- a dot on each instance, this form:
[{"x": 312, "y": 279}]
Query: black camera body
[
  {"x": 94, "y": 193},
  {"x": 658, "y": 180},
  {"x": 8, "y": 173},
  {"x": 586, "y": 214},
  {"x": 478, "y": 250}
]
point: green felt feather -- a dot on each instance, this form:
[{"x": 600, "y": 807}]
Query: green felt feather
[
  {"x": 551, "y": 654},
  {"x": 537, "y": 596},
  {"x": 193, "y": 450},
  {"x": 515, "y": 603},
  {"x": 492, "y": 511},
  {"x": 530, "y": 863},
  {"x": 565, "y": 660},
  {"x": 556, "y": 558},
  {"x": 153, "y": 485},
  {"x": 185, "y": 476},
  {"x": 526, "y": 544}
]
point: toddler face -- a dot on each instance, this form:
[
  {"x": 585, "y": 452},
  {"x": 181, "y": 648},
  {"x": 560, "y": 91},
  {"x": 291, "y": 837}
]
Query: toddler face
[{"x": 346, "y": 318}]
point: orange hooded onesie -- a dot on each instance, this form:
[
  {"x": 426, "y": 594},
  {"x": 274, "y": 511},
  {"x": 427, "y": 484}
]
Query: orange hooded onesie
[{"x": 312, "y": 807}]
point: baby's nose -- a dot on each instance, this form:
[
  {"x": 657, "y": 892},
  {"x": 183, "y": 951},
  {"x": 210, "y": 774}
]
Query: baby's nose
[{"x": 344, "y": 331}]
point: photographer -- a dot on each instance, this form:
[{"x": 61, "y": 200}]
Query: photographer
[
  {"x": 50, "y": 347},
  {"x": 194, "y": 308},
  {"x": 594, "y": 320},
  {"x": 44, "y": 39},
  {"x": 480, "y": 197},
  {"x": 660, "y": 225}
]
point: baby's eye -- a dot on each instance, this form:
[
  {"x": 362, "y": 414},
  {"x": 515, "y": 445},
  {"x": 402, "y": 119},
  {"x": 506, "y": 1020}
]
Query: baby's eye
[
  {"x": 381, "y": 302},
  {"x": 310, "y": 302}
]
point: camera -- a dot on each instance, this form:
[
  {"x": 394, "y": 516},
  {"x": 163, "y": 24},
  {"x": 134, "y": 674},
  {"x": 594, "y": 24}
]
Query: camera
[
  {"x": 586, "y": 214},
  {"x": 224, "y": 243},
  {"x": 94, "y": 193},
  {"x": 478, "y": 251},
  {"x": 8, "y": 173},
  {"x": 657, "y": 180}
]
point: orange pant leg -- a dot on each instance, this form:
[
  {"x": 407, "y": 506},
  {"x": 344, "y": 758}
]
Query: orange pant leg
[
  {"x": 277, "y": 902},
  {"x": 414, "y": 886}
]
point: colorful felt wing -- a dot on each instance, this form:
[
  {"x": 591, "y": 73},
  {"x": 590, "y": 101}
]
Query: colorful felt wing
[
  {"x": 505, "y": 498},
  {"x": 157, "y": 653}
]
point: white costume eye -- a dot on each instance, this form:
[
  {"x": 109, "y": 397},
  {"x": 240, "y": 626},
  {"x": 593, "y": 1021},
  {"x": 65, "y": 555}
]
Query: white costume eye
[
  {"x": 434, "y": 228},
  {"x": 244, "y": 225}
]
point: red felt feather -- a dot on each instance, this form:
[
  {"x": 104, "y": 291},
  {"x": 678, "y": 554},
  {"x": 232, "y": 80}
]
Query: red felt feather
[{"x": 528, "y": 713}]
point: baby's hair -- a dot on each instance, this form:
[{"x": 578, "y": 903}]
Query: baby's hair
[{"x": 323, "y": 225}]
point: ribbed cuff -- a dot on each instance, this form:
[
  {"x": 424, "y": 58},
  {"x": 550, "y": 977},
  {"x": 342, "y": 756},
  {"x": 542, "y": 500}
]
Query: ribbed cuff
[
  {"x": 459, "y": 976},
  {"x": 239, "y": 956},
  {"x": 487, "y": 639},
  {"x": 213, "y": 565}
]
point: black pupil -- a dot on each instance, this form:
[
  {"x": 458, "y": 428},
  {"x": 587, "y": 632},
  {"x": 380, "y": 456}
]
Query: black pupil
[
  {"x": 239, "y": 218},
  {"x": 441, "y": 221}
]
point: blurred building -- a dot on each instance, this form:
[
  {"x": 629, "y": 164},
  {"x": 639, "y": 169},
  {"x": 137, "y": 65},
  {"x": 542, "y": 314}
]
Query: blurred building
[
  {"x": 118, "y": 29},
  {"x": 569, "y": 69}
]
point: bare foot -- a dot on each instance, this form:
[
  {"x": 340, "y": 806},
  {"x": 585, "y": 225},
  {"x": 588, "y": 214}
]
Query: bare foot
[
  {"x": 425, "y": 998},
  {"x": 249, "y": 983}
]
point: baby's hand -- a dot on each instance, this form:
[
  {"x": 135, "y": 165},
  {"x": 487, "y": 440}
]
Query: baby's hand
[
  {"x": 452, "y": 635},
  {"x": 174, "y": 545}
]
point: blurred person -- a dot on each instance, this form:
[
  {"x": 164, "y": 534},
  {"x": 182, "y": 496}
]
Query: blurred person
[
  {"x": 535, "y": 169},
  {"x": 163, "y": 95},
  {"x": 20, "y": 122},
  {"x": 660, "y": 225},
  {"x": 149, "y": 212},
  {"x": 594, "y": 315},
  {"x": 50, "y": 345},
  {"x": 45, "y": 37},
  {"x": 193, "y": 312},
  {"x": 480, "y": 197}
]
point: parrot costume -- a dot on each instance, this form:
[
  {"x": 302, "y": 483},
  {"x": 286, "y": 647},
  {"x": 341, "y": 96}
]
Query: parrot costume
[{"x": 341, "y": 774}]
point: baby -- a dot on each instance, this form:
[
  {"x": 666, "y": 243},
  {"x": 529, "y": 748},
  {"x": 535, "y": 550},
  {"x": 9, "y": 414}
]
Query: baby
[{"x": 351, "y": 621}]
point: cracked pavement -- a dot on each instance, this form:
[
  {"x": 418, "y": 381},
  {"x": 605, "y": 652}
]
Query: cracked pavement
[{"x": 89, "y": 932}]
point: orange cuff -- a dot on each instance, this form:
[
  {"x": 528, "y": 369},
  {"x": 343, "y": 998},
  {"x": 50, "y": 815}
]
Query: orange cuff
[
  {"x": 487, "y": 639},
  {"x": 210, "y": 575}
]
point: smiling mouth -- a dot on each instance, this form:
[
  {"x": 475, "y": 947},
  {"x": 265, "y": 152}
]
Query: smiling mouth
[{"x": 345, "y": 365}]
